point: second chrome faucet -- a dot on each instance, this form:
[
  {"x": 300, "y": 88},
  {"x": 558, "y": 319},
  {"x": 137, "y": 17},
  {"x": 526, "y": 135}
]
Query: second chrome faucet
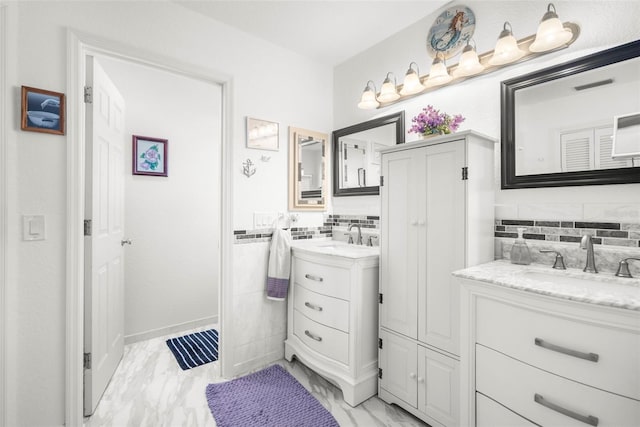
[{"x": 587, "y": 243}]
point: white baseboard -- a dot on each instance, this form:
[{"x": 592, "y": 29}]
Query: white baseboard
[
  {"x": 168, "y": 330},
  {"x": 257, "y": 363}
]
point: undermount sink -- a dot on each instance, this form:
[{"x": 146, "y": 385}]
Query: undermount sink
[
  {"x": 340, "y": 245},
  {"x": 336, "y": 247},
  {"x": 560, "y": 278}
]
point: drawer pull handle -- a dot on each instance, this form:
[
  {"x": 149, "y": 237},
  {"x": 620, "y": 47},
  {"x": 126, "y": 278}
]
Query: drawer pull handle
[
  {"x": 312, "y": 306},
  {"x": 314, "y": 278},
  {"x": 312, "y": 336},
  {"x": 587, "y": 419},
  {"x": 592, "y": 357}
]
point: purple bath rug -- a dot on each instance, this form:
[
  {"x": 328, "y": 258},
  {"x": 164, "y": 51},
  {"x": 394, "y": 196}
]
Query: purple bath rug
[
  {"x": 195, "y": 349},
  {"x": 267, "y": 398}
]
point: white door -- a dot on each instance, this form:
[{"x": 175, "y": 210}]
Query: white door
[
  {"x": 399, "y": 363},
  {"x": 399, "y": 231},
  {"x": 438, "y": 389},
  {"x": 104, "y": 206},
  {"x": 441, "y": 248}
]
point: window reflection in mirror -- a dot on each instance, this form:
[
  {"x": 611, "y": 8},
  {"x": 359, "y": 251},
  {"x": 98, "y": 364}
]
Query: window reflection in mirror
[
  {"x": 307, "y": 177},
  {"x": 356, "y": 157}
]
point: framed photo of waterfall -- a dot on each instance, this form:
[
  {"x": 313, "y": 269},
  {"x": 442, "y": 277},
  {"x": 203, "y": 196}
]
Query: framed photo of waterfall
[{"x": 42, "y": 111}]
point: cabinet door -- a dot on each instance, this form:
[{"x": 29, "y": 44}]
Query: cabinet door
[
  {"x": 438, "y": 386},
  {"x": 398, "y": 257},
  {"x": 398, "y": 361},
  {"x": 441, "y": 248}
]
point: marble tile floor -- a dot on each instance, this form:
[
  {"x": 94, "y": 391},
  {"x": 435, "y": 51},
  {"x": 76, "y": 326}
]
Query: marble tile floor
[{"x": 150, "y": 389}]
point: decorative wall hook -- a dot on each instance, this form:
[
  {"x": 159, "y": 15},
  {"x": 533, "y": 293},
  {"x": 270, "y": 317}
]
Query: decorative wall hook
[{"x": 248, "y": 168}]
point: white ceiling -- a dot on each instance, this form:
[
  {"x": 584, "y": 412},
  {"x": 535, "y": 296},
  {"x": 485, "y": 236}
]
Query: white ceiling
[{"x": 329, "y": 31}]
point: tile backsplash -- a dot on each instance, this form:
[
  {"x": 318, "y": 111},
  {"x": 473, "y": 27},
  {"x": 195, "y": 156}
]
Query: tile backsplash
[
  {"x": 613, "y": 241},
  {"x": 604, "y": 233},
  {"x": 299, "y": 233}
]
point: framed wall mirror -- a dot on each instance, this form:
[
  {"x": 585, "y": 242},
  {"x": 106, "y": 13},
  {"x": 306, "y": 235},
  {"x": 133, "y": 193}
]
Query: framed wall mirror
[
  {"x": 356, "y": 154},
  {"x": 557, "y": 124},
  {"x": 307, "y": 169}
]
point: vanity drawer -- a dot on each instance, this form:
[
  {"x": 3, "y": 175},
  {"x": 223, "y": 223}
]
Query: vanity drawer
[
  {"x": 547, "y": 399},
  {"x": 489, "y": 413},
  {"x": 322, "y": 278},
  {"x": 563, "y": 346},
  {"x": 329, "y": 311},
  {"x": 321, "y": 339}
]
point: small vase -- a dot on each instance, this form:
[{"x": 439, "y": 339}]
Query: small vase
[{"x": 430, "y": 135}]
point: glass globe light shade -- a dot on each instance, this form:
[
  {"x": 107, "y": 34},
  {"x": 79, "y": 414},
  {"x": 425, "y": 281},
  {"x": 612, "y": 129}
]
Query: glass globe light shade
[
  {"x": 412, "y": 83},
  {"x": 438, "y": 75},
  {"x": 551, "y": 33},
  {"x": 469, "y": 63},
  {"x": 368, "y": 99},
  {"x": 507, "y": 49}
]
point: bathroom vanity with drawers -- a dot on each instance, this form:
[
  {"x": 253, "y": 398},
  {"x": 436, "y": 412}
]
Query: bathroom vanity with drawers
[
  {"x": 333, "y": 315},
  {"x": 544, "y": 347}
]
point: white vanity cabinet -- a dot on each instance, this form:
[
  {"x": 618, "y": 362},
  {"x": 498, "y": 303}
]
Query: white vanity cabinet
[
  {"x": 333, "y": 317},
  {"x": 533, "y": 359},
  {"x": 436, "y": 217}
]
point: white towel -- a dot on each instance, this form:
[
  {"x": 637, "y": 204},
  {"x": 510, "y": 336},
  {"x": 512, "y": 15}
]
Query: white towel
[{"x": 279, "y": 265}]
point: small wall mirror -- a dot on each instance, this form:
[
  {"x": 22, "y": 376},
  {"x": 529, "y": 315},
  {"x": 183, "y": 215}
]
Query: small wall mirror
[
  {"x": 356, "y": 154},
  {"x": 307, "y": 169},
  {"x": 558, "y": 123}
]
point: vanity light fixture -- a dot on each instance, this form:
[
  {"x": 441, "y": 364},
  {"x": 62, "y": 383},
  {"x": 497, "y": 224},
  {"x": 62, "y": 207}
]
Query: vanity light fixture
[
  {"x": 388, "y": 91},
  {"x": 412, "y": 83},
  {"x": 551, "y": 33},
  {"x": 469, "y": 62},
  {"x": 368, "y": 100},
  {"x": 438, "y": 75},
  {"x": 507, "y": 49}
]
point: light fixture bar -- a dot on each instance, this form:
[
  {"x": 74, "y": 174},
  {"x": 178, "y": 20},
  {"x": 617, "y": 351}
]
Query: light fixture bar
[{"x": 523, "y": 44}]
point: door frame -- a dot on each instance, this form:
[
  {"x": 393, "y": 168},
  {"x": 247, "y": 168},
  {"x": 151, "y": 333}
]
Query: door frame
[
  {"x": 4, "y": 203},
  {"x": 78, "y": 47}
]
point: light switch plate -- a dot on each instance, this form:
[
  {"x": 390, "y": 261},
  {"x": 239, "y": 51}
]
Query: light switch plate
[{"x": 33, "y": 227}]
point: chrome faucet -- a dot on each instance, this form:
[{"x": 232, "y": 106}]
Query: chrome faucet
[
  {"x": 359, "y": 239},
  {"x": 587, "y": 243},
  {"x": 623, "y": 267}
]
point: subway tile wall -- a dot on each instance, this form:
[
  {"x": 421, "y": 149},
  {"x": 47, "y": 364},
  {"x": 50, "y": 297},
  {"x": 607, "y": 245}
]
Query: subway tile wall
[
  {"x": 299, "y": 233},
  {"x": 604, "y": 233}
]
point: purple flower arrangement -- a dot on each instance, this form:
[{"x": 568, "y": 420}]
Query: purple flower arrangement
[{"x": 431, "y": 121}]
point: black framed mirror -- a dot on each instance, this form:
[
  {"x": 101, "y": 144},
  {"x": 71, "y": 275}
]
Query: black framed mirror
[
  {"x": 356, "y": 154},
  {"x": 557, "y": 123}
]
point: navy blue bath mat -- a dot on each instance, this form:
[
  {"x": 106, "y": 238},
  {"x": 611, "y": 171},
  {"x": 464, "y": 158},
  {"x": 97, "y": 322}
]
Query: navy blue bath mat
[
  {"x": 195, "y": 349},
  {"x": 267, "y": 398}
]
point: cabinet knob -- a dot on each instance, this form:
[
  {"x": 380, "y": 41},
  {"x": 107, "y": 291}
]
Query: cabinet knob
[
  {"x": 420, "y": 380},
  {"x": 412, "y": 376}
]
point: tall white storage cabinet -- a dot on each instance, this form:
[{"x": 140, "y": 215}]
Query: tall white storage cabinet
[{"x": 437, "y": 217}]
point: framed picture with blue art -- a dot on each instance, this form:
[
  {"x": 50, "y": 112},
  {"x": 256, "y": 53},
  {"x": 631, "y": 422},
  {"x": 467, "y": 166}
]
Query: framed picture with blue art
[
  {"x": 42, "y": 111},
  {"x": 150, "y": 156}
]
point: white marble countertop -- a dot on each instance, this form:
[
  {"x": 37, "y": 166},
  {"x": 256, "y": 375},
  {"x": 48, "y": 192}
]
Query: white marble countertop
[
  {"x": 336, "y": 248},
  {"x": 572, "y": 284}
]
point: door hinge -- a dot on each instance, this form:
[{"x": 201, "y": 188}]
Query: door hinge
[
  {"x": 87, "y": 361},
  {"x": 88, "y": 95},
  {"x": 465, "y": 173},
  {"x": 380, "y": 298},
  {"x": 87, "y": 227},
  {"x": 381, "y": 181},
  {"x": 380, "y": 373},
  {"x": 380, "y": 343}
]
